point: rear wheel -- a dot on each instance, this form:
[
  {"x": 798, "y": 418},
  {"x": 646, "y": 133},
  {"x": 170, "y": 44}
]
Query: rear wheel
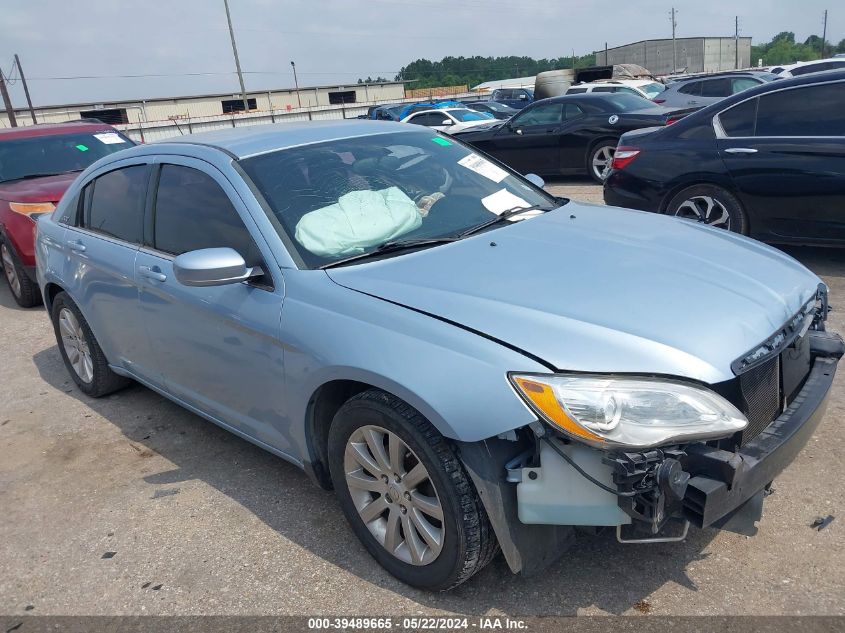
[
  {"x": 82, "y": 354},
  {"x": 600, "y": 160},
  {"x": 406, "y": 494},
  {"x": 711, "y": 205},
  {"x": 24, "y": 290}
]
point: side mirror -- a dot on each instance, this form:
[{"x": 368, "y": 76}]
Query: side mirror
[
  {"x": 535, "y": 180},
  {"x": 447, "y": 122},
  {"x": 212, "y": 267}
]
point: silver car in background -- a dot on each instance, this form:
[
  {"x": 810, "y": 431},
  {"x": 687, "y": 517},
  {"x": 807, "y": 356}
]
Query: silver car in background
[
  {"x": 471, "y": 363},
  {"x": 700, "y": 91}
]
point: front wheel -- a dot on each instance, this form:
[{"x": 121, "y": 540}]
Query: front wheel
[
  {"x": 600, "y": 160},
  {"x": 406, "y": 494},
  {"x": 711, "y": 205},
  {"x": 24, "y": 290}
]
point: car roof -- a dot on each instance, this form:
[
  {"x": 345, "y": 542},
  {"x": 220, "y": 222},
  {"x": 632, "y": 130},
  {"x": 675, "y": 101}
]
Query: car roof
[
  {"x": 812, "y": 61},
  {"x": 53, "y": 129},
  {"x": 242, "y": 142}
]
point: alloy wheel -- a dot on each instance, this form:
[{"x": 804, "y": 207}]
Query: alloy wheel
[
  {"x": 602, "y": 160},
  {"x": 705, "y": 209},
  {"x": 76, "y": 347},
  {"x": 9, "y": 269},
  {"x": 394, "y": 495}
]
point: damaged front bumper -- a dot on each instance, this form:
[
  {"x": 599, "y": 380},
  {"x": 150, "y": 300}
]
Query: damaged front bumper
[{"x": 651, "y": 495}]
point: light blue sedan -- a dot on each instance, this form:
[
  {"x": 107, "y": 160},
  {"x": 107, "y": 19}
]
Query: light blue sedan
[{"x": 471, "y": 363}]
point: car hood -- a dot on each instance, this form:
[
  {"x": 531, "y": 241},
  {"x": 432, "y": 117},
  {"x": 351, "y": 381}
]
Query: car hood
[
  {"x": 45, "y": 189},
  {"x": 599, "y": 289}
]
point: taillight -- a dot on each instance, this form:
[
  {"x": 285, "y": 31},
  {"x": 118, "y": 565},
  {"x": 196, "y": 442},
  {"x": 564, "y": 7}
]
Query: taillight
[
  {"x": 32, "y": 209},
  {"x": 659, "y": 100},
  {"x": 624, "y": 155},
  {"x": 673, "y": 120}
]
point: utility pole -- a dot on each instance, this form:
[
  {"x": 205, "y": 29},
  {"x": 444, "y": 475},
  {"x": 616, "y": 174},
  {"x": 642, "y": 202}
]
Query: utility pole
[
  {"x": 26, "y": 89},
  {"x": 237, "y": 61},
  {"x": 736, "y": 42},
  {"x": 7, "y": 102},
  {"x": 674, "y": 46},
  {"x": 824, "y": 34},
  {"x": 296, "y": 83}
]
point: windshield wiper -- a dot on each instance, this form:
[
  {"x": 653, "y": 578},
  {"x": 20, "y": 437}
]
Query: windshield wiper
[
  {"x": 391, "y": 247},
  {"x": 504, "y": 215},
  {"x": 45, "y": 175}
]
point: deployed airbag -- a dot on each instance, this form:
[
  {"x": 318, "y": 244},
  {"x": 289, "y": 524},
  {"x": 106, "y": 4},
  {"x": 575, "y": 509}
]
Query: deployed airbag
[{"x": 357, "y": 221}]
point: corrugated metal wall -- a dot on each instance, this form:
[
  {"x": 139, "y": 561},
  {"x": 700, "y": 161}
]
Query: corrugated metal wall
[{"x": 696, "y": 54}]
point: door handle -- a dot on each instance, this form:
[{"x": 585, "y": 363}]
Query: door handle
[
  {"x": 149, "y": 273},
  {"x": 77, "y": 246},
  {"x": 740, "y": 150}
]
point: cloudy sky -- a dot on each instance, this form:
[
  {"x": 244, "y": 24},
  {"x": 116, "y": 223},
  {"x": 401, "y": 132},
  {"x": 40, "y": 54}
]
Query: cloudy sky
[{"x": 87, "y": 51}]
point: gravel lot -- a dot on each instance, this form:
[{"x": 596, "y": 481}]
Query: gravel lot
[{"x": 132, "y": 505}]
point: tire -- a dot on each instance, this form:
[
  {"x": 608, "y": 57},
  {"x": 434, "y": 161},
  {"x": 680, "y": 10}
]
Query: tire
[
  {"x": 83, "y": 356},
  {"x": 709, "y": 204},
  {"x": 599, "y": 160},
  {"x": 24, "y": 290},
  {"x": 460, "y": 544}
]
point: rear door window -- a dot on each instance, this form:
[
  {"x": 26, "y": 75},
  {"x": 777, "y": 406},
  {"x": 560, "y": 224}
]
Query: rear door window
[
  {"x": 193, "y": 212},
  {"x": 739, "y": 120},
  {"x": 742, "y": 83},
  {"x": 115, "y": 204},
  {"x": 716, "y": 88},
  {"x": 805, "y": 111},
  {"x": 692, "y": 88}
]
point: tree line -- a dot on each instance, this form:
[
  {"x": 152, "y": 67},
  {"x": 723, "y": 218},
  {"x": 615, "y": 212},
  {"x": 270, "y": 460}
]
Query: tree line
[{"x": 783, "y": 49}]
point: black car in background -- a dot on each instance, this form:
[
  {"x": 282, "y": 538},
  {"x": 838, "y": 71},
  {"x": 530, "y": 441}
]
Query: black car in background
[
  {"x": 768, "y": 162},
  {"x": 572, "y": 134}
]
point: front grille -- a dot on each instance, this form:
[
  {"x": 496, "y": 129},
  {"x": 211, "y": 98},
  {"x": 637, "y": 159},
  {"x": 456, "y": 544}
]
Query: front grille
[{"x": 761, "y": 398}]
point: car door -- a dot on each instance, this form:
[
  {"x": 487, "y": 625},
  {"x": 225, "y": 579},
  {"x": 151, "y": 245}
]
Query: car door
[
  {"x": 101, "y": 245},
  {"x": 785, "y": 150},
  {"x": 574, "y": 138},
  {"x": 528, "y": 142},
  {"x": 218, "y": 347}
]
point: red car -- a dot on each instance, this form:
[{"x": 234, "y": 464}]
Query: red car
[{"x": 37, "y": 164}]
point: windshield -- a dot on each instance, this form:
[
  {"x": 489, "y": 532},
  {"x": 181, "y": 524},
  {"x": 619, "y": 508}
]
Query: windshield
[
  {"x": 621, "y": 102},
  {"x": 56, "y": 153},
  {"x": 501, "y": 107},
  {"x": 652, "y": 89},
  {"x": 349, "y": 196},
  {"x": 470, "y": 115}
]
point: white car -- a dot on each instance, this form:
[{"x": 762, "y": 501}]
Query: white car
[
  {"x": 644, "y": 88},
  {"x": 805, "y": 68},
  {"x": 450, "y": 119}
]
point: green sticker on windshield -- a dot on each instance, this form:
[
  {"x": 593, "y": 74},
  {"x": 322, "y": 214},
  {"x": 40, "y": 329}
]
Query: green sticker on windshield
[
  {"x": 82, "y": 148},
  {"x": 441, "y": 141}
]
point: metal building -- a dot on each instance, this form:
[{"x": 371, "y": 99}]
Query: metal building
[
  {"x": 692, "y": 54},
  {"x": 211, "y": 105}
]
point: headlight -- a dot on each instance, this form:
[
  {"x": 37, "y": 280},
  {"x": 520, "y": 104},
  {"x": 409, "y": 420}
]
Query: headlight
[
  {"x": 629, "y": 412},
  {"x": 32, "y": 209}
]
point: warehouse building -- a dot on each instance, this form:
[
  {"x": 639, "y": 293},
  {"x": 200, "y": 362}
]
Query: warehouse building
[
  {"x": 692, "y": 54},
  {"x": 199, "y": 106}
]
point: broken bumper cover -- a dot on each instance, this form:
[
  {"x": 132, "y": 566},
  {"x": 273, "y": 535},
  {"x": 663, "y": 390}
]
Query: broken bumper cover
[{"x": 722, "y": 481}]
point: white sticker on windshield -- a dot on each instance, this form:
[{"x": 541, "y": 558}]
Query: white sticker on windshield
[
  {"x": 503, "y": 200},
  {"x": 484, "y": 167},
  {"x": 109, "y": 138}
]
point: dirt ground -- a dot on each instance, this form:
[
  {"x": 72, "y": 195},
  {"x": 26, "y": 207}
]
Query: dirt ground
[{"x": 132, "y": 505}]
